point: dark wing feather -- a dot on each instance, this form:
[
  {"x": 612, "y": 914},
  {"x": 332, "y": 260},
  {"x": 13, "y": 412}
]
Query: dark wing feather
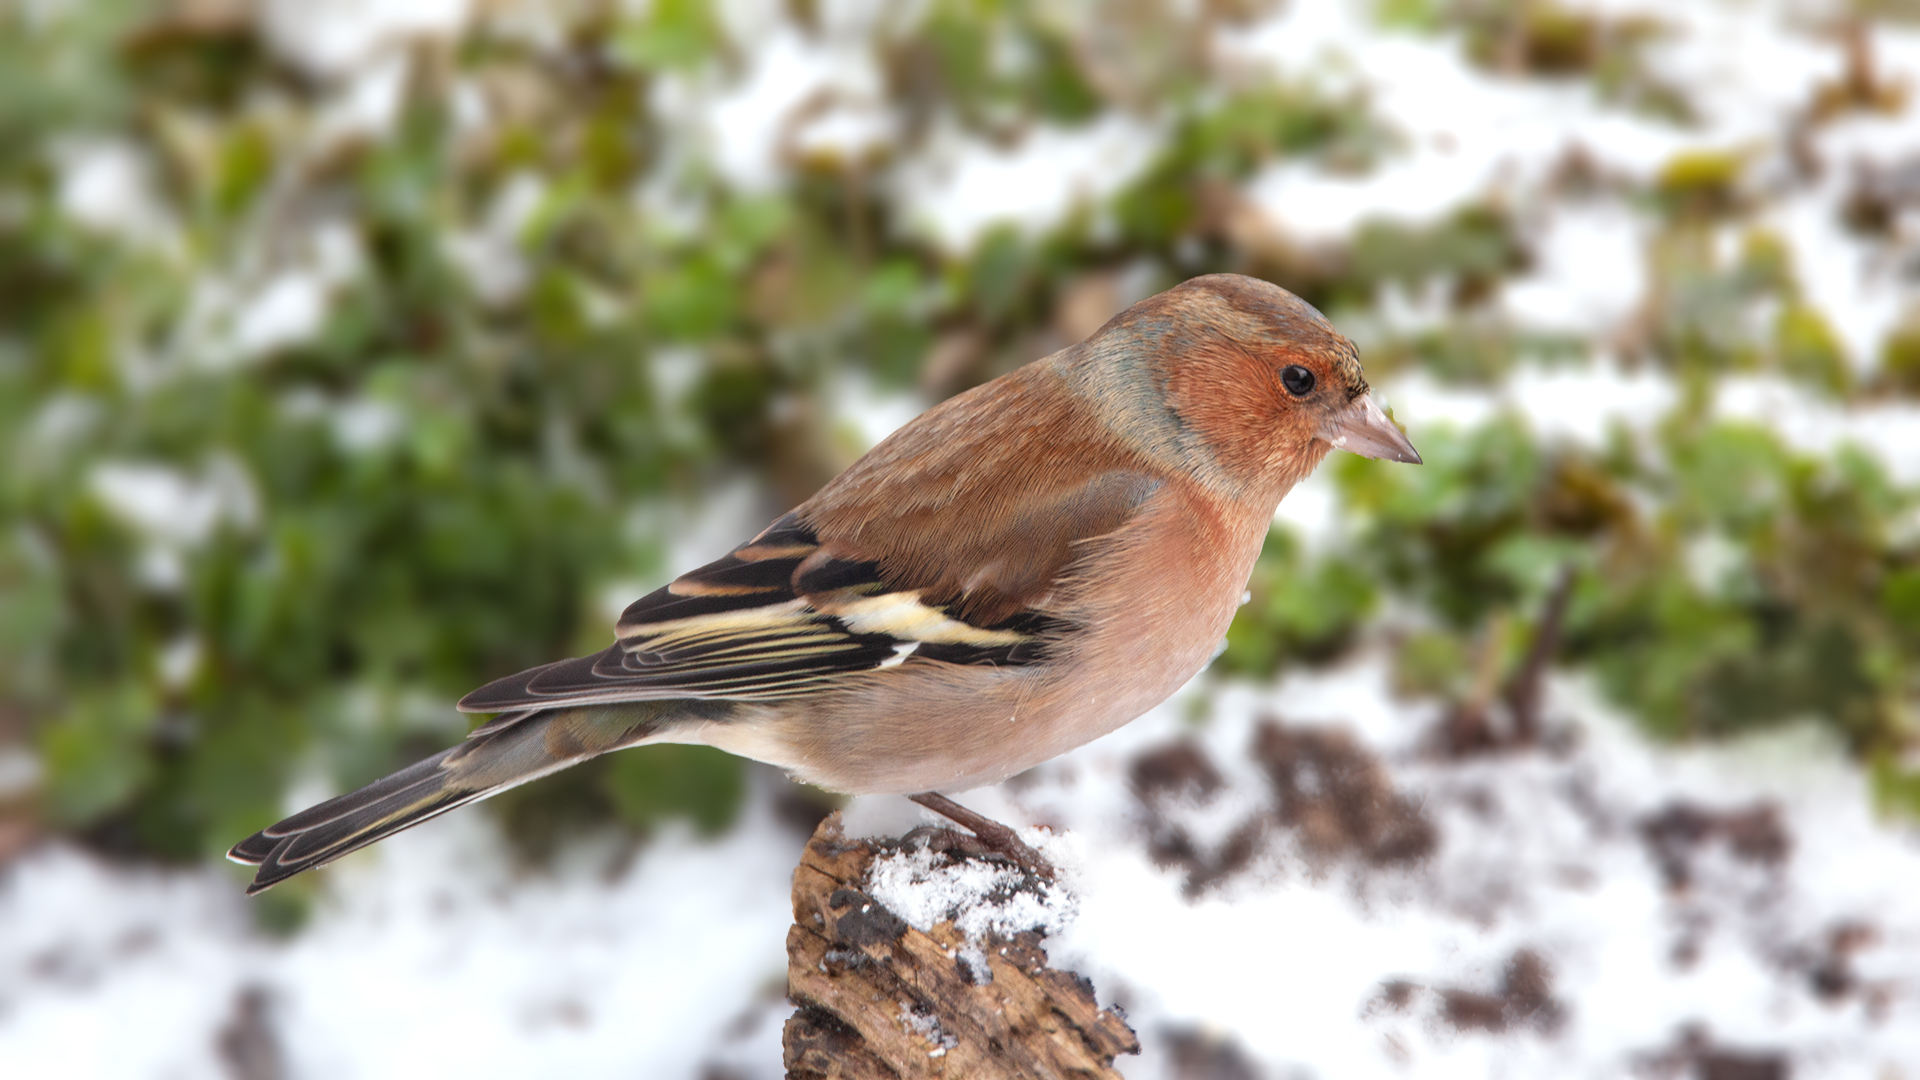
[{"x": 776, "y": 617}]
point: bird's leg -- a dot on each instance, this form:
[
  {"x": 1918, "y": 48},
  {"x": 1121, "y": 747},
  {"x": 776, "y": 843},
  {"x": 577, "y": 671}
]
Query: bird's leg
[{"x": 996, "y": 837}]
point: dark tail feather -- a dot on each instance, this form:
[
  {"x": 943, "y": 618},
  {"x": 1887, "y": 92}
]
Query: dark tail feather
[
  {"x": 486, "y": 765},
  {"x": 256, "y": 849},
  {"x": 501, "y": 723}
]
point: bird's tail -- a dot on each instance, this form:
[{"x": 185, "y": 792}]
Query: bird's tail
[{"x": 505, "y": 753}]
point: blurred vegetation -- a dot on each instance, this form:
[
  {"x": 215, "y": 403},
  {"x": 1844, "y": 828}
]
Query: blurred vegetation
[{"x": 321, "y": 421}]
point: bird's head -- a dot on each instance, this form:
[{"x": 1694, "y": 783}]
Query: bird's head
[{"x": 1246, "y": 375}]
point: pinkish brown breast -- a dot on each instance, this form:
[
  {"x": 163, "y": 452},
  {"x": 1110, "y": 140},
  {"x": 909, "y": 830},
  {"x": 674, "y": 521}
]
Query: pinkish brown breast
[{"x": 1156, "y": 597}]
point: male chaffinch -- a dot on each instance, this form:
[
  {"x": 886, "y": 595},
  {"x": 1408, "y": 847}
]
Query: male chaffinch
[{"x": 1019, "y": 570}]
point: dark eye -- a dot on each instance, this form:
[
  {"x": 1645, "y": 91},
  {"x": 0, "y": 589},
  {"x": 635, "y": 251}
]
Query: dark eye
[{"x": 1297, "y": 380}]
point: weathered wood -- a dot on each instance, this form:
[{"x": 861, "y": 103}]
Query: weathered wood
[{"x": 879, "y": 999}]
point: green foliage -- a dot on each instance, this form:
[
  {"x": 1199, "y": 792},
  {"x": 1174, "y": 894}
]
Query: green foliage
[
  {"x": 428, "y": 481},
  {"x": 1896, "y": 789},
  {"x": 1808, "y": 351},
  {"x": 1470, "y": 250},
  {"x": 1298, "y": 610},
  {"x": 1900, "y": 359},
  {"x": 633, "y": 790},
  {"x": 96, "y": 754},
  {"x": 993, "y": 66},
  {"x": 674, "y": 34},
  {"x": 1712, "y": 312},
  {"x": 1548, "y": 39},
  {"x": 1226, "y": 141},
  {"x": 504, "y": 341},
  {"x": 699, "y": 782},
  {"x": 1768, "y": 591},
  {"x": 1726, "y": 584},
  {"x": 1484, "y": 525},
  {"x": 418, "y": 494}
]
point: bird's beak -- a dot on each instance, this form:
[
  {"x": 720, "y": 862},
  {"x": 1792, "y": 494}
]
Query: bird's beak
[{"x": 1361, "y": 428}]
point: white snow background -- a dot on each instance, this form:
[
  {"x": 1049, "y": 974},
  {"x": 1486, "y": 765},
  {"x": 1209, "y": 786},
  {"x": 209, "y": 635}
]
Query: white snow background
[{"x": 430, "y": 955}]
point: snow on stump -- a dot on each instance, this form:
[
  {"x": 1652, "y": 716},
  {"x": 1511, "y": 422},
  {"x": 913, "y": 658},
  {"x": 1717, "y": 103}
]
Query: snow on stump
[{"x": 922, "y": 958}]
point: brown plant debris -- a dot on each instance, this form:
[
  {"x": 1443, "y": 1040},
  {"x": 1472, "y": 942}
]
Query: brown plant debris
[
  {"x": 1328, "y": 790},
  {"x": 877, "y": 998},
  {"x": 1195, "y": 1053},
  {"x": 1882, "y": 195},
  {"x": 1174, "y": 770},
  {"x": 1695, "y": 1056},
  {"x": 1489, "y": 722},
  {"x": 1338, "y": 798},
  {"x": 1523, "y": 1001},
  {"x": 1862, "y": 86},
  {"x": 1830, "y": 973},
  {"x": 248, "y": 1046},
  {"x": 1163, "y": 776},
  {"x": 1675, "y": 837},
  {"x": 1172, "y": 845}
]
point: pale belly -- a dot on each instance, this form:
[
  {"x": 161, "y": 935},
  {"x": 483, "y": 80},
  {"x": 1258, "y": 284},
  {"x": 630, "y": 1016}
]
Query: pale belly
[{"x": 933, "y": 734}]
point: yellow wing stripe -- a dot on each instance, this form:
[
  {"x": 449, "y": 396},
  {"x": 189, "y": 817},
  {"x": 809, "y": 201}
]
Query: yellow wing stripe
[{"x": 795, "y": 612}]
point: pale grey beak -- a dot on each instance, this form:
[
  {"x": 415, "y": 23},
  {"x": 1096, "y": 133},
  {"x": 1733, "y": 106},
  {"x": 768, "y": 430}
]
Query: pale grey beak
[{"x": 1361, "y": 428}]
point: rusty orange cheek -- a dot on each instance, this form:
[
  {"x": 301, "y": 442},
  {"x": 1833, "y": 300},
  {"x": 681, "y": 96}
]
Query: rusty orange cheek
[{"x": 1235, "y": 402}]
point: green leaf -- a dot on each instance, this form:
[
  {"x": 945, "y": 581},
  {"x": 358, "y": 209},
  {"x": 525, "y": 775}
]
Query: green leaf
[
  {"x": 651, "y": 784},
  {"x": 674, "y": 35},
  {"x": 96, "y": 753}
]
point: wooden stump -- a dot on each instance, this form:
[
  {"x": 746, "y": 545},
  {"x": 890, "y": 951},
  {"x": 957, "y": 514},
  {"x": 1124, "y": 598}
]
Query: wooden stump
[{"x": 879, "y": 999}]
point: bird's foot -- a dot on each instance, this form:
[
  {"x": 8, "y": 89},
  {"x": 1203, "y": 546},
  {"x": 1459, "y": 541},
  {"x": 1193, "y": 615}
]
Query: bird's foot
[{"x": 989, "y": 836}]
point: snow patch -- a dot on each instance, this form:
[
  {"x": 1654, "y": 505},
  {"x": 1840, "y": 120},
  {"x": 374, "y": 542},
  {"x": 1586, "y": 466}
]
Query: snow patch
[
  {"x": 925, "y": 888},
  {"x": 965, "y": 187}
]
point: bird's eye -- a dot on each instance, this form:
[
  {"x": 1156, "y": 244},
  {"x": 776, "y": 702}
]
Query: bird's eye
[{"x": 1297, "y": 380}]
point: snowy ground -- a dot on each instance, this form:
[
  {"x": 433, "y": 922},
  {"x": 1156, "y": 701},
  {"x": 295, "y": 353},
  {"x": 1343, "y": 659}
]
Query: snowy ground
[
  {"x": 1580, "y": 911},
  {"x": 1657, "y": 891},
  {"x": 1600, "y": 907}
]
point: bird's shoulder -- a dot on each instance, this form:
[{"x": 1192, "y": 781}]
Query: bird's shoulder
[{"x": 986, "y": 500}]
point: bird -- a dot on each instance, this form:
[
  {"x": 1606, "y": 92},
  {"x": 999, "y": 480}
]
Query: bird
[{"x": 1017, "y": 571}]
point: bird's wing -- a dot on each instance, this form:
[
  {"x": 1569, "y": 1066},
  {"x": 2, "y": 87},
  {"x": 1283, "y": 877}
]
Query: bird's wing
[
  {"x": 783, "y": 615},
  {"x": 915, "y": 551}
]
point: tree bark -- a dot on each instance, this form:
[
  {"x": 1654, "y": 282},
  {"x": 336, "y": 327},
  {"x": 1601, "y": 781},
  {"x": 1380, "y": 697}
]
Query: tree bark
[{"x": 879, "y": 1000}]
